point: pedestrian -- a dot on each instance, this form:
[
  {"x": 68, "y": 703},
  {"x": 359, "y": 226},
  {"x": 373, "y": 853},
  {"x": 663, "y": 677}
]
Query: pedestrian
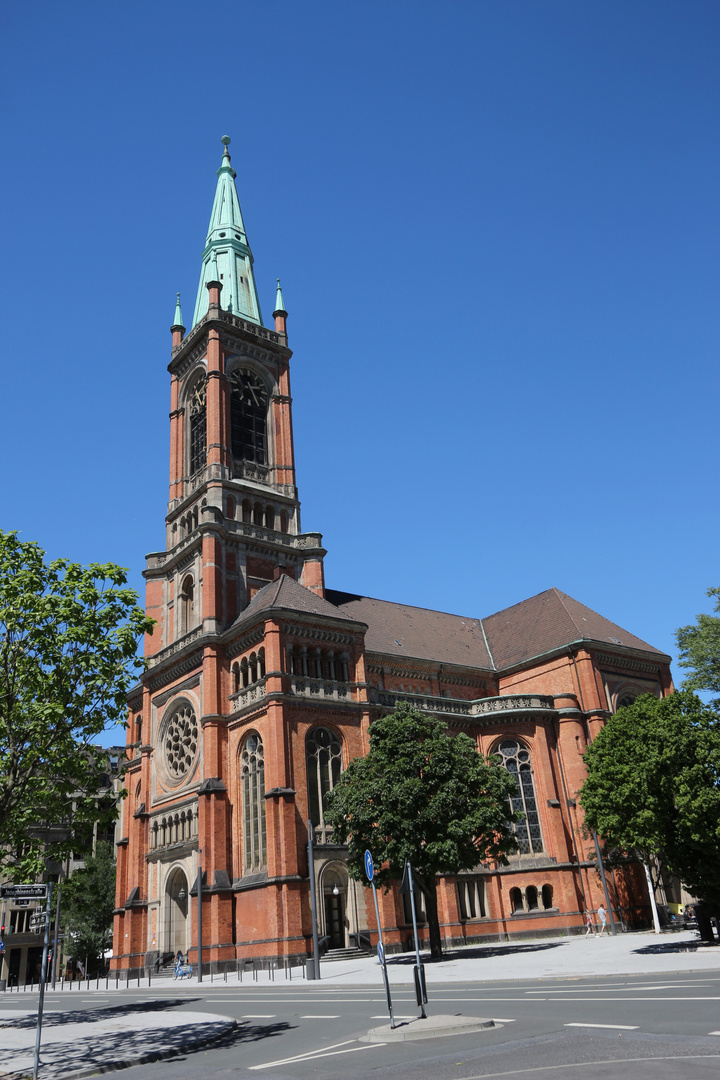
[
  {"x": 179, "y": 956},
  {"x": 603, "y": 920},
  {"x": 589, "y": 923}
]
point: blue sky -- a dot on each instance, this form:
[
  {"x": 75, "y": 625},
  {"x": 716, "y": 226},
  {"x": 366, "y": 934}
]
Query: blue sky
[{"x": 496, "y": 225}]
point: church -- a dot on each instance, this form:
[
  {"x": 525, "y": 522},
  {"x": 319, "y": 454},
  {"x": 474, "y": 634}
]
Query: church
[{"x": 262, "y": 683}]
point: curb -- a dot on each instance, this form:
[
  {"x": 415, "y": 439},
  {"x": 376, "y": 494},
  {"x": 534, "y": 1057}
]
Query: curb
[{"x": 433, "y": 1027}]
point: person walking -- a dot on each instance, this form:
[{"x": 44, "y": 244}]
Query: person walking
[
  {"x": 603, "y": 920},
  {"x": 589, "y": 924}
]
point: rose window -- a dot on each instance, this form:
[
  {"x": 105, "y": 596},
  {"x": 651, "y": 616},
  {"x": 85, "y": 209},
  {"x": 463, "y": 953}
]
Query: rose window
[{"x": 181, "y": 741}]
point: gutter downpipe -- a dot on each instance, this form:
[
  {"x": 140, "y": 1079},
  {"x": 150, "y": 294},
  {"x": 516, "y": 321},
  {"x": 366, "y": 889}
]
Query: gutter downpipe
[{"x": 596, "y": 841}]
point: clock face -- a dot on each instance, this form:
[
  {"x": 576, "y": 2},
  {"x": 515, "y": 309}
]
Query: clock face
[
  {"x": 198, "y": 396},
  {"x": 250, "y": 388}
]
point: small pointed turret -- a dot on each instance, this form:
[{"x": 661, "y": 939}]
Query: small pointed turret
[
  {"x": 177, "y": 329},
  {"x": 227, "y": 253},
  {"x": 280, "y": 314}
]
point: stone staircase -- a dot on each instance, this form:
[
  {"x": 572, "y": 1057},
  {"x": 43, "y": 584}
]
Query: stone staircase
[{"x": 353, "y": 953}]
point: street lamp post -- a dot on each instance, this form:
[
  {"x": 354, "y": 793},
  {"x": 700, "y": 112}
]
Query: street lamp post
[{"x": 199, "y": 914}]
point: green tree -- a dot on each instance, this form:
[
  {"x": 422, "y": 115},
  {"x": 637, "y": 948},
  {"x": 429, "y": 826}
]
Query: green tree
[
  {"x": 87, "y": 901},
  {"x": 423, "y": 795},
  {"x": 653, "y": 787},
  {"x": 699, "y": 649},
  {"x": 68, "y": 655}
]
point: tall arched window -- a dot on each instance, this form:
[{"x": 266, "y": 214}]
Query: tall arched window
[
  {"x": 252, "y": 771},
  {"x": 248, "y": 417},
  {"x": 198, "y": 426},
  {"x": 324, "y": 765},
  {"x": 516, "y": 759},
  {"x": 187, "y": 605}
]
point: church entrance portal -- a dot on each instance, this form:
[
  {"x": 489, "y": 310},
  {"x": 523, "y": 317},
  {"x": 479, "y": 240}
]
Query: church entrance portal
[
  {"x": 176, "y": 912},
  {"x": 335, "y": 886}
]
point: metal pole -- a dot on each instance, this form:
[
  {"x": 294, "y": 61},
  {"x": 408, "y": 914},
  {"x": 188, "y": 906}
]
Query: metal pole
[
  {"x": 43, "y": 976},
  {"x": 55, "y": 939},
  {"x": 383, "y": 962},
  {"x": 313, "y": 903},
  {"x": 417, "y": 944},
  {"x": 604, "y": 882},
  {"x": 199, "y": 915}
]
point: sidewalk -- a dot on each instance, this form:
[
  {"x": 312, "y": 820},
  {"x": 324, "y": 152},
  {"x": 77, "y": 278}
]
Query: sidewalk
[{"x": 83, "y": 1042}]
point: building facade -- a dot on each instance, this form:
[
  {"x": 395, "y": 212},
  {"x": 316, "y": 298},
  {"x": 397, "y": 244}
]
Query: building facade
[{"x": 262, "y": 684}]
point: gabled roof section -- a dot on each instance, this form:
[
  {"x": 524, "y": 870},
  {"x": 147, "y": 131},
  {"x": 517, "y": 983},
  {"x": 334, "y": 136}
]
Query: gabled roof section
[
  {"x": 227, "y": 243},
  {"x": 286, "y": 594},
  {"x": 550, "y": 621},
  {"x": 403, "y": 630}
]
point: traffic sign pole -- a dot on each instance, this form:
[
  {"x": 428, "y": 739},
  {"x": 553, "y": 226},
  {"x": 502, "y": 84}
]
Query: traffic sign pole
[
  {"x": 43, "y": 977},
  {"x": 370, "y": 871}
]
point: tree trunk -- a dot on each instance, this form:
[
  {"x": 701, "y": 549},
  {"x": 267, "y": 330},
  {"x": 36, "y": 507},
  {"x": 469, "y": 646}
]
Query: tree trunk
[{"x": 430, "y": 891}]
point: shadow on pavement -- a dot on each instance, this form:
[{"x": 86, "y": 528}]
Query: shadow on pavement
[
  {"x": 481, "y": 952},
  {"x": 139, "y": 1046},
  {"x": 661, "y": 947},
  {"x": 97, "y": 1016}
]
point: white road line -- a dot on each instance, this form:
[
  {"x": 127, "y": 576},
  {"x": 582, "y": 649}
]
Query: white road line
[
  {"x": 314, "y": 1057},
  {"x": 316, "y": 1016},
  {"x": 497, "y": 1020},
  {"x": 615, "y": 1027},
  {"x": 713, "y": 1032},
  {"x": 308, "y": 1053},
  {"x": 258, "y": 1016},
  {"x": 614, "y": 989}
]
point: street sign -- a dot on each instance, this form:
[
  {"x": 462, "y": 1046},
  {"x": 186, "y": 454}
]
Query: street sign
[
  {"x": 22, "y": 901},
  {"x": 381, "y": 952},
  {"x": 369, "y": 868},
  {"x": 33, "y": 892}
]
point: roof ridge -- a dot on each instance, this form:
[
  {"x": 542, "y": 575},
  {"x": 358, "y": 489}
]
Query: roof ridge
[{"x": 399, "y": 603}]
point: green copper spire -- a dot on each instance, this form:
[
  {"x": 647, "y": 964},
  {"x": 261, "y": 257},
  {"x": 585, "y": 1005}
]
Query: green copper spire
[
  {"x": 178, "y": 320},
  {"x": 279, "y": 305},
  {"x": 227, "y": 249}
]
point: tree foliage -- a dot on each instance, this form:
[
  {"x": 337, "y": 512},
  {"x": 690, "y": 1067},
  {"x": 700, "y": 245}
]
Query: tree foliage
[
  {"x": 653, "y": 786},
  {"x": 68, "y": 655},
  {"x": 424, "y": 795},
  {"x": 699, "y": 649},
  {"x": 87, "y": 901}
]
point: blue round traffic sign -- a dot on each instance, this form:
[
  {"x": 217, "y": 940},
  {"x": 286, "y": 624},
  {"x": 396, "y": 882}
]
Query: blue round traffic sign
[
  {"x": 369, "y": 868},
  {"x": 381, "y": 952}
]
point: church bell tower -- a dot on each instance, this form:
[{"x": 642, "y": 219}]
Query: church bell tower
[{"x": 233, "y": 521}]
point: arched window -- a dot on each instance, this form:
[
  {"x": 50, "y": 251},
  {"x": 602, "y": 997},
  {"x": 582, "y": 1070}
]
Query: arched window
[
  {"x": 235, "y": 678},
  {"x": 187, "y": 605},
  {"x": 283, "y": 521},
  {"x": 246, "y": 511},
  {"x": 253, "y": 804},
  {"x": 230, "y": 507},
  {"x": 252, "y": 667},
  {"x": 198, "y": 426},
  {"x": 261, "y": 663},
  {"x": 257, "y": 514},
  {"x": 626, "y": 699},
  {"x": 248, "y": 417},
  {"x": 244, "y": 672},
  {"x": 531, "y": 896},
  {"x": 269, "y": 517},
  {"x": 516, "y": 759},
  {"x": 324, "y": 765},
  {"x": 547, "y": 896},
  {"x": 516, "y": 900}
]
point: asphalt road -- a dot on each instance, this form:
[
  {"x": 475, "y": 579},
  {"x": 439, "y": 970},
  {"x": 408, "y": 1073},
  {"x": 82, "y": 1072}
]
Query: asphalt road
[{"x": 660, "y": 1027}]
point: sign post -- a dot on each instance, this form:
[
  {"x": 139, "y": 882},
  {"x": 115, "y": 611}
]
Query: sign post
[
  {"x": 35, "y": 892},
  {"x": 370, "y": 871},
  {"x": 313, "y": 902},
  {"x": 419, "y": 969}
]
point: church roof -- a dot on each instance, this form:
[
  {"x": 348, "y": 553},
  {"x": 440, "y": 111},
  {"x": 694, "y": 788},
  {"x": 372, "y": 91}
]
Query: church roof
[
  {"x": 547, "y": 622},
  {"x": 537, "y": 626},
  {"x": 286, "y": 594},
  {"x": 403, "y": 630}
]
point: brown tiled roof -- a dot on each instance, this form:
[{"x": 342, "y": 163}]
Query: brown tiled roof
[
  {"x": 549, "y": 621},
  {"x": 403, "y": 630},
  {"x": 287, "y": 594}
]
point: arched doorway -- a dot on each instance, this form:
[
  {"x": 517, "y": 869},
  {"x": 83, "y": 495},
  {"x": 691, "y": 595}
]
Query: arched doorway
[
  {"x": 335, "y": 891},
  {"x": 176, "y": 911}
]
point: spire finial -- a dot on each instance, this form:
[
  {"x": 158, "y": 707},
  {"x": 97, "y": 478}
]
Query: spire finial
[
  {"x": 178, "y": 320},
  {"x": 226, "y": 140},
  {"x": 214, "y": 276},
  {"x": 279, "y": 303}
]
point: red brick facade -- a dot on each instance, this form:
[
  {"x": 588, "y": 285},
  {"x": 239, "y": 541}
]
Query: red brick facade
[{"x": 251, "y": 653}]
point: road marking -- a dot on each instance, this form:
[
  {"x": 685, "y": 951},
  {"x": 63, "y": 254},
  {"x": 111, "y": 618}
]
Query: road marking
[
  {"x": 317, "y": 1016},
  {"x": 258, "y": 1016},
  {"x": 615, "y": 1027},
  {"x": 386, "y": 1017},
  {"x": 614, "y": 989},
  {"x": 497, "y": 1020},
  {"x": 314, "y": 1057},
  {"x": 713, "y": 1032},
  {"x": 308, "y": 1053}
]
